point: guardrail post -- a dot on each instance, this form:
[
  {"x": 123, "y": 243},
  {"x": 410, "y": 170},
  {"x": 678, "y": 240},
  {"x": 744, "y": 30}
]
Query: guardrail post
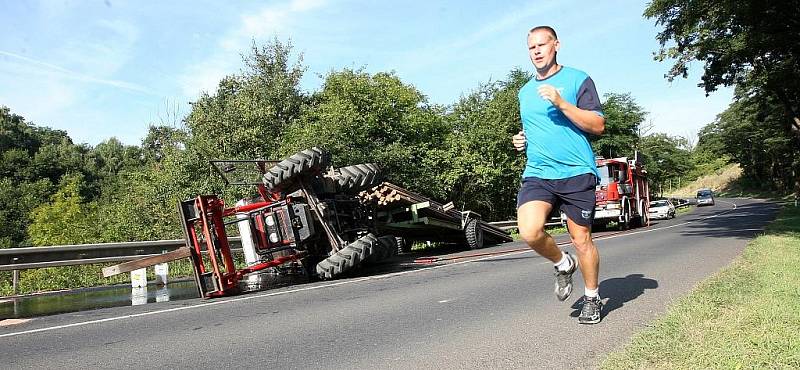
[{"x": 14, "y": 278}]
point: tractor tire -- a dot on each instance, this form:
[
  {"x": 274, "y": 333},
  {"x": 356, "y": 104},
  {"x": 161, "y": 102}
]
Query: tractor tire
[
  {"x": 300, "y": 163},
  {"x": 385, "y": 249},
  {"x": 403, "y": 245},
  {"x": 352, "y": 179},
  {"x": 368, "y": 248},
  {"x": 474, "y": 234}
]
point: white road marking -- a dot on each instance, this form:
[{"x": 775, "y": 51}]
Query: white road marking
[{"x": 329, "y": 285}]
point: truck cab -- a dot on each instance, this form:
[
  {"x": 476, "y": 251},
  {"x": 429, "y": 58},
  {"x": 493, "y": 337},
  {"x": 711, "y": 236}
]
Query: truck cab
[{"x": 622, "y": 195}]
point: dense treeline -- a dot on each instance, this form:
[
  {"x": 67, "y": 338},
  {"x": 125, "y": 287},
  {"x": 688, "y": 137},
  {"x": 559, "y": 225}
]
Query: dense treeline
[
  {"x": 753, "y": 46},
  {"x": 53, "y": 191}
]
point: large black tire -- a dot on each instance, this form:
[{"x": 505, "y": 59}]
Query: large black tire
[
  {"x": 403, "y": 245},
  {"x": 386, "y": 248},
  {"x": 474, "y": 234},
  {"x": 368, "y": 248},
  {"x": 625, "y": 223},
  {"x": 352, "y": 179},
  {"x": 282, "y": 174}
]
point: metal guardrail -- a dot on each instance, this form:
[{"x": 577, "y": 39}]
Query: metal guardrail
[
  {"x": 83, "y": 254},
  {"x": 512, "y": 224}
]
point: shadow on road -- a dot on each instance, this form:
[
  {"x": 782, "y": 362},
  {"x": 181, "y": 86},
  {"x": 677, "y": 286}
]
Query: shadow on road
[
  {"x": 618, "y": 291},
  {"x": 744, "y": 222}
]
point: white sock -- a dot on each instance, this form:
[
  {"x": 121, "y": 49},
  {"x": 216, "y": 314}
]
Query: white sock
[
  {"x": 564, "y": 264},
  {"x": 592, "y": 293}
]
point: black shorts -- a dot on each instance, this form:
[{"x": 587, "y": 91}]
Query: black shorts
[{"x": 574, "y": 195}]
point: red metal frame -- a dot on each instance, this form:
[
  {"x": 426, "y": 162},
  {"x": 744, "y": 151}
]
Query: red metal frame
[
  {"x": 636, "y": 179},
  {"x": 222, "y": 271}
]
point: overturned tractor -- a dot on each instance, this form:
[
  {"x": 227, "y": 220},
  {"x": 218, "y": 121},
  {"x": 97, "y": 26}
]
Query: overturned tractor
[{"x": 321, "y": 221}]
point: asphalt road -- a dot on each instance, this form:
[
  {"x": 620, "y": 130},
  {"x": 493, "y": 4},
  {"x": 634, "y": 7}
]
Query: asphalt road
[{"x": 490, "y": 311}]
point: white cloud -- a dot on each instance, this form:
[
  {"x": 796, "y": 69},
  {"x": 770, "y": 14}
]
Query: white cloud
[
  {"x": 271, "y": 20},
  {"x": 22, "y": 65},
  {"x": 431, "y": 54}
]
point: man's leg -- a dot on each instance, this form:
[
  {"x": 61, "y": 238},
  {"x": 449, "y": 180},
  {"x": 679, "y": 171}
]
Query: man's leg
[
  {"x": 531, "y": 218},
  {"x": 589, "y": 259},
  {"x": 590, "y": 266}
]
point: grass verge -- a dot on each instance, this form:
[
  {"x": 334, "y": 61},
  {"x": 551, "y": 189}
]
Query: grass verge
[
  {"x": 743, "y": 317},
  {"x": 682, "y": 210}
]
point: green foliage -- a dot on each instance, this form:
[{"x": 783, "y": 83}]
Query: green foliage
[
  {"x": 749, "y": 132},
  {"x": 16, "y": 201},
  {"x": 623, "y": 119},
  {"x": 361, "y": 118},
  {"x": 751, "y": 45},
  {"x": 736, "y": 40},
  {"x": 665, "y": 159},
  {"x": 247, "y": 115},
  {"x": 66, "y": 219},
  {"x": 477, "y": 167}
]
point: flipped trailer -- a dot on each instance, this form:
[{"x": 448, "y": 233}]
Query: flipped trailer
[{"x": 310, "y": 219}]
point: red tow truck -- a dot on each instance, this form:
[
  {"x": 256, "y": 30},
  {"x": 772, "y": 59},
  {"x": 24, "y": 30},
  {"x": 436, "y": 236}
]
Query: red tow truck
[{"x": 623, "y": 195}]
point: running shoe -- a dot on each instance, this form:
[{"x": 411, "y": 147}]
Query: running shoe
[
  {"x": 590, "y": 312},
  {"x": 563, "y": 286}
]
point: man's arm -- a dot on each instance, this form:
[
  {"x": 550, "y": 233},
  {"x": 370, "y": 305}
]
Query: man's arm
[{"x": 587, "y": 120}]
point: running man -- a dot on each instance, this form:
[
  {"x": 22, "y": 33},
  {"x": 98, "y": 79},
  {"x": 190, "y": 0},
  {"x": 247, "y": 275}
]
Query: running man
[{"x": 559, "y": 109}]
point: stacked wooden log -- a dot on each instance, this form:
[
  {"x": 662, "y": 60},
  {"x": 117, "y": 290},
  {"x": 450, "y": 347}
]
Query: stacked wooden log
[{"x": 390, "y": 196}]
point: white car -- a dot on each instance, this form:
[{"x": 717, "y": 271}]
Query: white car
[{"x": 661, "y": 209}]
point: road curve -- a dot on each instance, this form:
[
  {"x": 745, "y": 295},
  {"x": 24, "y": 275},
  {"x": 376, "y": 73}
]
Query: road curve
[{"x": 494, "y": 311}]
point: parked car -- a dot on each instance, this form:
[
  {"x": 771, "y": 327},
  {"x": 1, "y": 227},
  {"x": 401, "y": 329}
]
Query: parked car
[
  {"x": 705, "y": 197},
  {"x": 661, "y": 209}
]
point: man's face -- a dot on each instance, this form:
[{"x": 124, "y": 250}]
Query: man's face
[{"x": 542, "y": 48}]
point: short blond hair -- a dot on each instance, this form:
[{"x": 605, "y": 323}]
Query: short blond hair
[{"x": 545, "y": 28}]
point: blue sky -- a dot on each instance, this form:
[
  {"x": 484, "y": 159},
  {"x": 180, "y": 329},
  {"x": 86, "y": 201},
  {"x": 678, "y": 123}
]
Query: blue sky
[{"x": 101, "y": 69}]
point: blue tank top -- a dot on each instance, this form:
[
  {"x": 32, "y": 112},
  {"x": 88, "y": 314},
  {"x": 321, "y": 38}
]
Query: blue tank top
[{"x": 557, "y": 148}]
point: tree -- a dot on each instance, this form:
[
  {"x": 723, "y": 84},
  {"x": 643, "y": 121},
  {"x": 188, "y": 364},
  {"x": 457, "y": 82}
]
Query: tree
[
  {"x": 748, "y": 132},
  {"x": 477, "y": 167},
  {"x": 665, "y": 159},
  {"x": 66, "y": 219},
  {"x": 360, "y": 117},
  {"x": 740, "y": 43},
  {"x": 623, "y": 118},
  {"x": 161, "y": 141},
  {"x": 246, "y": 116}
]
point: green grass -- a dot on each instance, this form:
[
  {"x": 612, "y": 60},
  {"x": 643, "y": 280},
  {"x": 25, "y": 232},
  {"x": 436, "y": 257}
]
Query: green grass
[
  {"x": 682, "y": 210},
  {"x": 746, "y": 188},
  {"x": 746, "y": 316},
  {"x": 552, "y": 230}
]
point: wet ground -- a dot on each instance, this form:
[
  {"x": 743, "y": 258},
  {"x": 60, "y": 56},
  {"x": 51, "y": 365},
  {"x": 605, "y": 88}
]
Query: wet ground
[
  {"x": 85, "y": 299},
  {"x": 93, "y": 298},
  {"x": 52, "y": 303}
]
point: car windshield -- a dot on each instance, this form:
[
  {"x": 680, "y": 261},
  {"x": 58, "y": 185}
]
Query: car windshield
[
  {"x": 659, "y": 203},
  {"x": 604, "y": 176},
  {"x": 704, "y": 193}
]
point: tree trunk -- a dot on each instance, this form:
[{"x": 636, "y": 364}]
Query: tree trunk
[{"x": 791, "y": 112}]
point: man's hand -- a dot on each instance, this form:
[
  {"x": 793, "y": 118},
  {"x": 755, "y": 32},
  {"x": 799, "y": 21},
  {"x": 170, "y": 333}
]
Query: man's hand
[
  {"x": 550, "y": 94},
  {"x": 588, "y": 121},
  {"x": 519, "y": 141}
]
